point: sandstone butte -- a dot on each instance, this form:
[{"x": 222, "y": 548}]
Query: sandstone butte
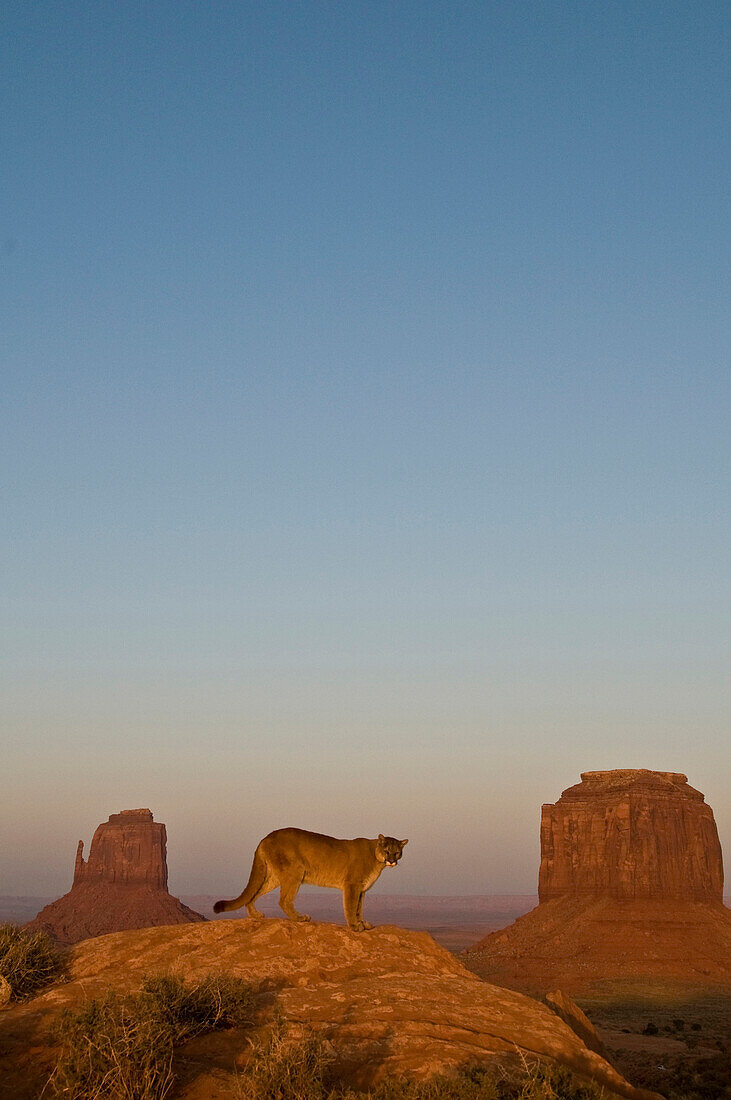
[
  {"x": 123, "y": 885},
  {"x": 388, "y": 1002},
  {"x": 630, "y": 887}
]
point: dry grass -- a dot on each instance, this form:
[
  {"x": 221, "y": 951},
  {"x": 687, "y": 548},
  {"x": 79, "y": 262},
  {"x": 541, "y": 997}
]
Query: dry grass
[
  {"x": 290, "y": 1068},
  {"x": 121, "y": 1048},
  {"x": 215, "y": 1002},
  {"x": 29, "y": 960},
  {"x": 532, "y": 1082},
  {"x": 111, "y": 1048}
]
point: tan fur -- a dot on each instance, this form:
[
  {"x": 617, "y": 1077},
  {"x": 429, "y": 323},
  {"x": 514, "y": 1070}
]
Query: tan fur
[{"x": 289, "y": 857}]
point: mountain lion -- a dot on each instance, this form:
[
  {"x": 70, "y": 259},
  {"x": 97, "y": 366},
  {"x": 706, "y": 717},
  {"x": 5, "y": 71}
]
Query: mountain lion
[{"x": 289, "y": 857}]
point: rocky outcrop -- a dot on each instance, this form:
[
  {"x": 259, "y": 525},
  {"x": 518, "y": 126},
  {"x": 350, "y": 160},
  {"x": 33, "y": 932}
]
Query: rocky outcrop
[
  {"x": 577, "y": 1020},
  {"x": 122, "y": 885},
  {"x": 129, "y": 849},
  {"x": 387, "y": 1001},
  {"x": 579, "y": 944},
  {"x": 630, "y": 834},
  {"x": 630, "y": 886}
]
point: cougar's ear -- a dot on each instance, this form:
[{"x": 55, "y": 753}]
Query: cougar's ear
[
  {"x": 381, "y": 837},
  {"x": 404, "y": 842}
]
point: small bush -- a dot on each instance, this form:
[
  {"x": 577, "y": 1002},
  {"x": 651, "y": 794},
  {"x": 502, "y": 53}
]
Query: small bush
[
  {"x": 472, "y": 1083},
  {"x": 287, "y": 1068},
  {"x": 110, "y": 1048},
  {"x": 122, "y": 1048},
  {"x": 650, "y": 1029},
  {"x": 707, "y": 1078},
  {"x": 29, "y": 960},
  {"x": 216, "y": 1001},
  {"x": 557, "y": 1083}
]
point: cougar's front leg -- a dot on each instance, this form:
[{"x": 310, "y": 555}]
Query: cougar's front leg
[
  {"x": 359, "y": 912},
  {"x": 352, "y": 900}
]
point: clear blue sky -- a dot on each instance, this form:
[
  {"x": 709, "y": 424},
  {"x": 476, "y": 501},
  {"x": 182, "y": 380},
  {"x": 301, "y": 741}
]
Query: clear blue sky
[{"x": 364, "y": 429}]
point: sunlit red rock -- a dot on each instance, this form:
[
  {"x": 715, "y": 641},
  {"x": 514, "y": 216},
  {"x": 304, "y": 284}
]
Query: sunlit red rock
[
  {"x": 630, "y": 833},
  {"x": 387, "y": 1002},
  {"x": 630, "y": 887},
  {"x": 122, "y": 885},
  {"x": 128, "y": 849}
]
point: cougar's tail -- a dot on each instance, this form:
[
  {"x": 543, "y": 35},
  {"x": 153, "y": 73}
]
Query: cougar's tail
[{"x": 257, "y": 878}]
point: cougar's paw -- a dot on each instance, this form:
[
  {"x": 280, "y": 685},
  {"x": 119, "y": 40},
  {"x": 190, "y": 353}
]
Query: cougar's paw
[
  {"x": 303, "y": 918},
  {"x": 366, "y": 925},
  {"x": 359, "y": 926}
]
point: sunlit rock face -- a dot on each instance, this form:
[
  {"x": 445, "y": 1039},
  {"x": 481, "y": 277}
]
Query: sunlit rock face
[
  {"x": 630, "y": 889},
  {"x": 630, "y": 834},
  {"x": 389, "y": 1003},
  {"x": 130, "y": 848}
]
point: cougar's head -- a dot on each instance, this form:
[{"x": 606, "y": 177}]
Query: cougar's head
[{"x": 388, "y": 850}]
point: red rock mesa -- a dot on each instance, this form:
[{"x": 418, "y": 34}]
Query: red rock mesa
[
  {"x": 630, "y": 834},
  {"x": 630, "y": 886},
  {"x": 123, "y": 884}
]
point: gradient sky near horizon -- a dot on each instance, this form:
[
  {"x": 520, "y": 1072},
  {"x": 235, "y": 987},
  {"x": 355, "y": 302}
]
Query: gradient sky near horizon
[{"x": 364, "y": 429}]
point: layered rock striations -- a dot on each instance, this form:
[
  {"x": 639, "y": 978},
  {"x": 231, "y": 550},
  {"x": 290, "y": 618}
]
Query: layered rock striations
[
  {"x": 129, "y": 849},
  {"x": 630, "y": 886},
  {"x": 630, "y": 834},
  {"x": 122, "y": 885}
]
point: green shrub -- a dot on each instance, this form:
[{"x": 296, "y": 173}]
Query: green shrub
[
  {"x": 121, "y": 1048},
  {"x": 29, "y": 960}
]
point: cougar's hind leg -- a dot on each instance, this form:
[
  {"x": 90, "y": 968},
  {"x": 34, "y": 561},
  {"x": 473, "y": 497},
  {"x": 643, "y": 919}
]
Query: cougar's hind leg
[
  {"x": 259, "y": 883},
  {"x": 266, "y": 887},
  {"x": 288, "y": 892}
]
